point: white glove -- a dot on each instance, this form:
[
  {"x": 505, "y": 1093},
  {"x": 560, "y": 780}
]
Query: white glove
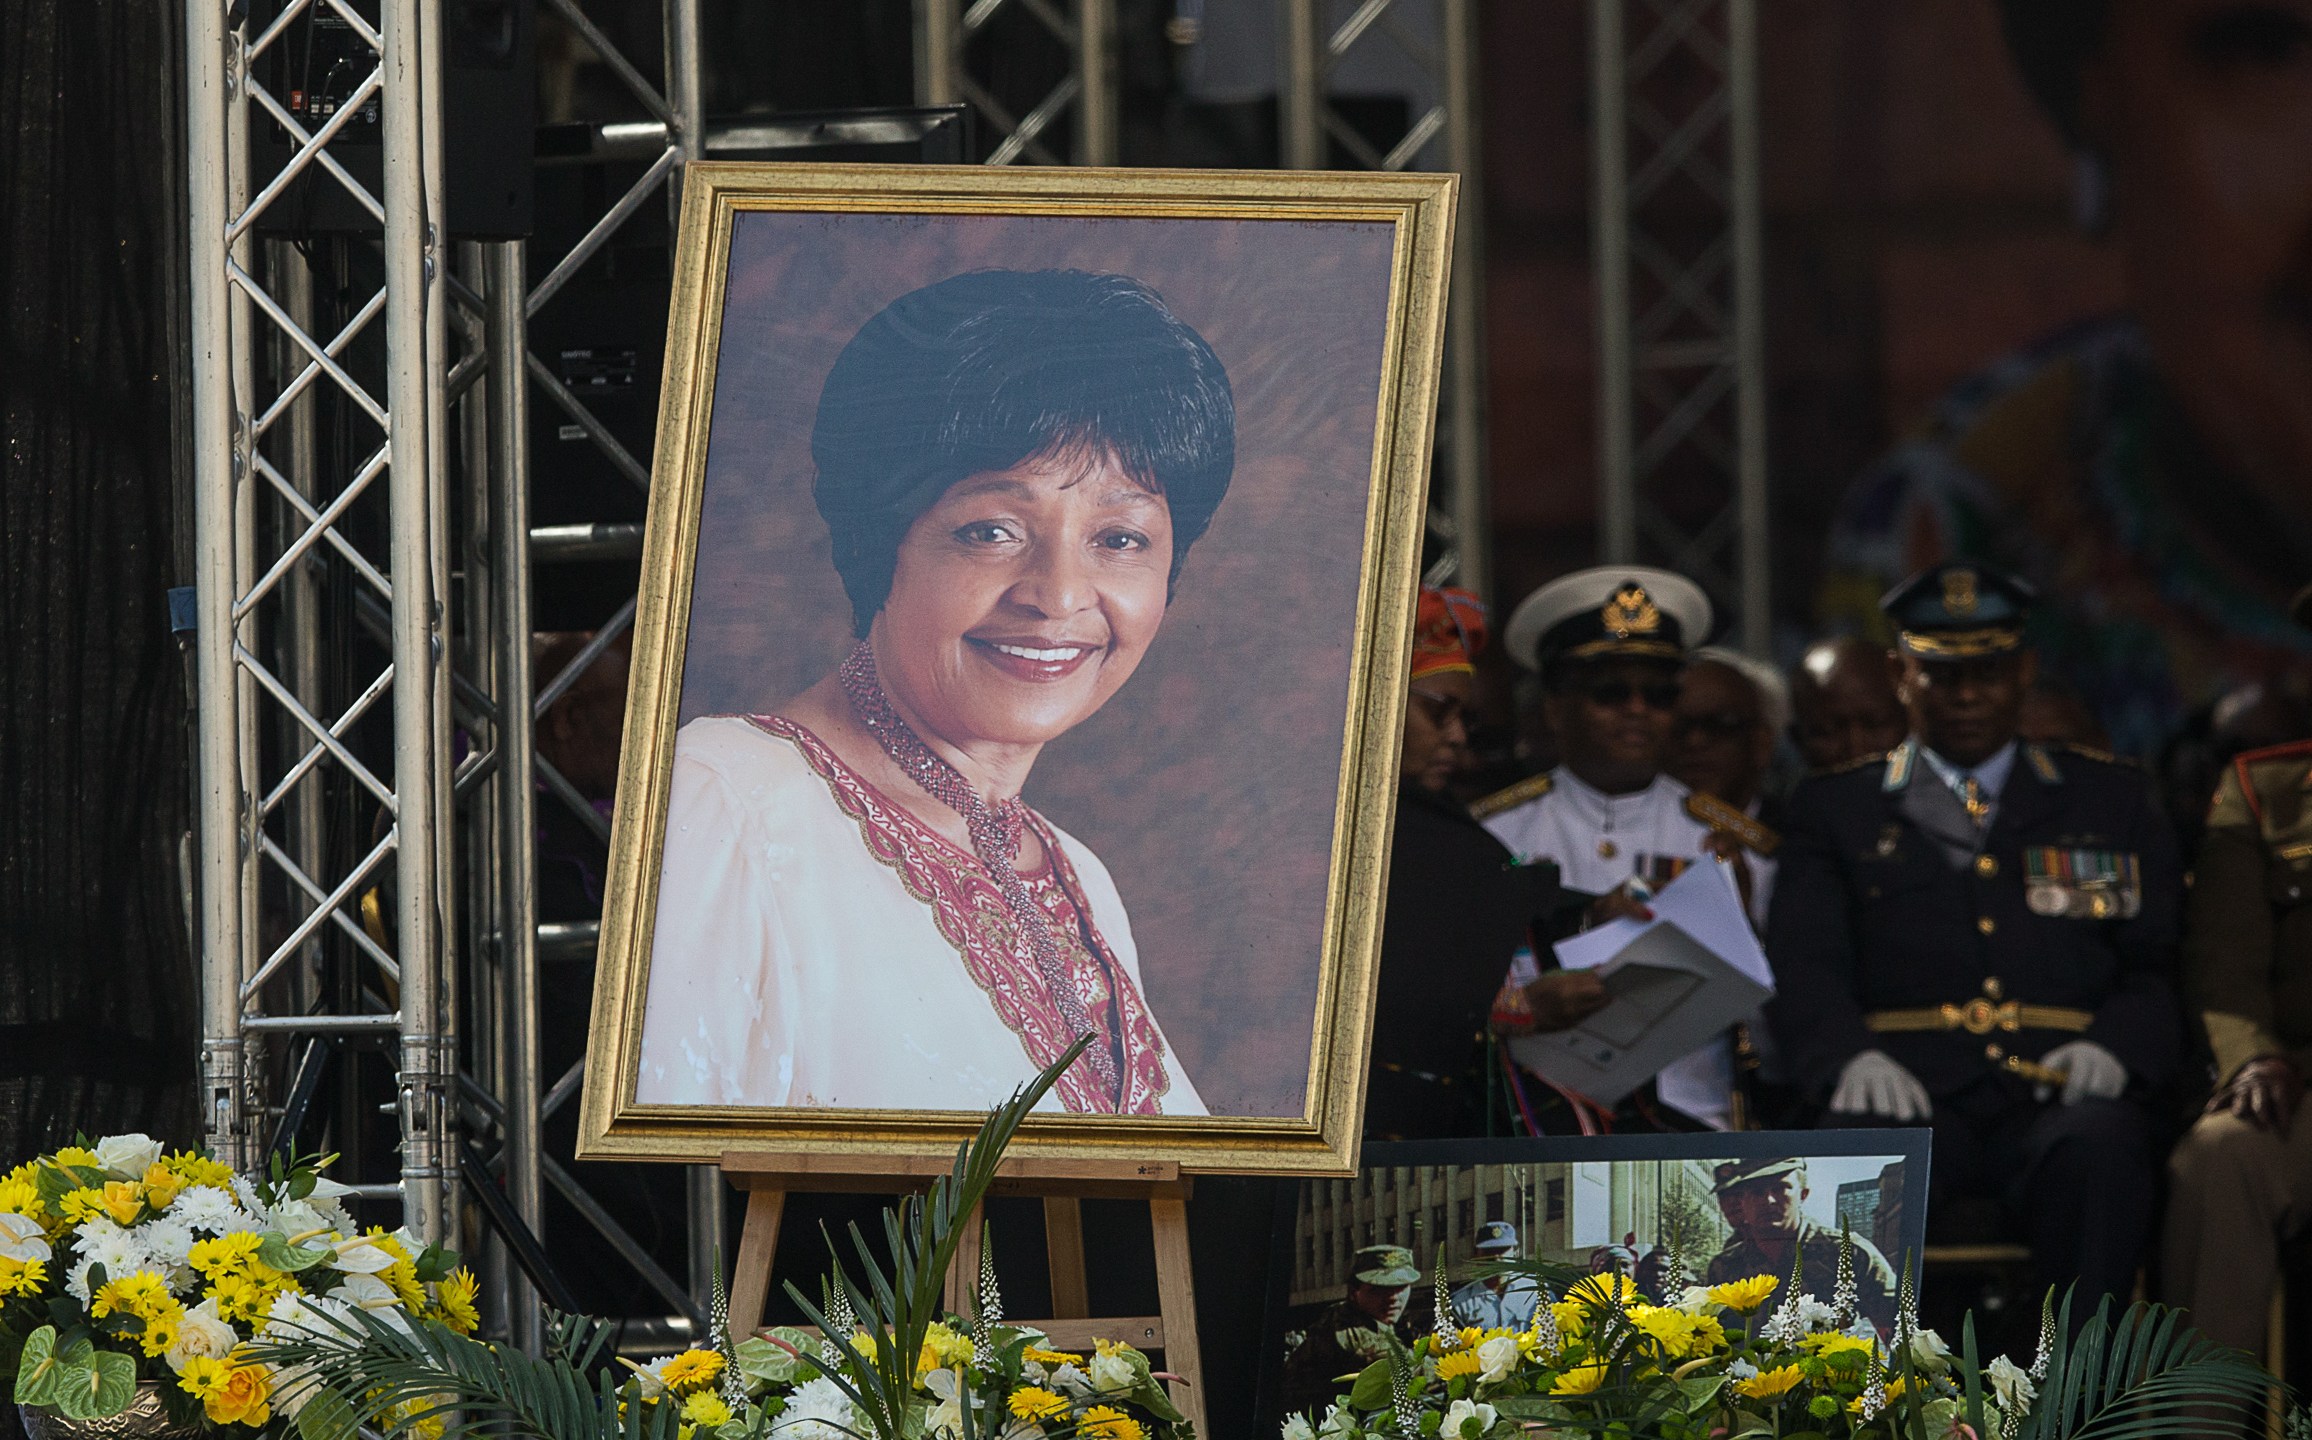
[
  {"x": 1875, "y": 1083},
  {"x": 2093, "y": 1071}
]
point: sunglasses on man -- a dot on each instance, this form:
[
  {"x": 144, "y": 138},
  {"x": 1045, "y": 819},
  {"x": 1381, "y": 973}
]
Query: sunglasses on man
[{"x": 1614, "y": 694}]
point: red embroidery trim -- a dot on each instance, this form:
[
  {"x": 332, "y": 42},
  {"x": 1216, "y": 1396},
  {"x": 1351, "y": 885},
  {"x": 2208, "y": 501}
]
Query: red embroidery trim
[{"x": 971, "y": 914}]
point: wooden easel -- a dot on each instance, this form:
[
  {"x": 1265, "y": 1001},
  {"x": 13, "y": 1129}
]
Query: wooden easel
[{"x": 1061, "y": 1183}]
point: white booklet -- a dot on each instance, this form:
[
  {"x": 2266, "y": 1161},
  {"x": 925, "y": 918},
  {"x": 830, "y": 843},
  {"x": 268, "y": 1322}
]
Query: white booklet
[{"x": 1678, "y": 981}]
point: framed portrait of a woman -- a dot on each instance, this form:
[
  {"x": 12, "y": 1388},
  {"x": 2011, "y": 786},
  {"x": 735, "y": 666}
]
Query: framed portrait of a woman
[{"x": 1028, "y": 581}]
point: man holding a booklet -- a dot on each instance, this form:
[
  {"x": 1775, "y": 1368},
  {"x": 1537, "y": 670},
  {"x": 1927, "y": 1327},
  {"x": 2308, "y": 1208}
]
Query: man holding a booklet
[{"x": 1979, "y": 935}]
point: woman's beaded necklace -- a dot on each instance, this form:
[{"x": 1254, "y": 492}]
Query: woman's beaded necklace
[{"x": 995, "y": 832}]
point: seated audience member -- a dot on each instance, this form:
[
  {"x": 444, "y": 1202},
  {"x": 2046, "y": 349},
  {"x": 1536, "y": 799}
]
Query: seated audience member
[
  {"x": 1459, "y": 906},
  {"x": 2253, "y": 717},
  {"x": 1978, "y": 934},
  {"x": 2241, "y": 1181},
  {"x": 1609, "y": 644},
  {"x": 1731, "y": 711},
  {"x": 1843, "y": 704}
]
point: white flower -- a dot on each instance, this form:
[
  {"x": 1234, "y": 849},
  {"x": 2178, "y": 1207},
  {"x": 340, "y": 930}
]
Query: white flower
[
  {"x": 1337, "y": 1423},
  {"x": 204, "y": 1332},
  {"x": 328, "y": 1199},
  {"x": 322, "y": 1319},
  {"x": 246, "y": 1194},
  {"x": 127, "y": 1157},
  {"x": 100, "y": 1242},
  {"x": 359, "y": 1255},
  {"x": 818, "y": 1410},
  {"x": 649, "y": 1373},
  {"x": 946, "y": 1418},
  {"x": 167, "y": 1241},
  {"x": 1461, "y": 1412},
  {"x": 1929, "y": 1353},
  {"x": 1022, "y": 1430},
  {"x": 1498, "y": 1357},
  {"x": 1034, "y": 1372},
  {"x": 1694, "y": 1300},
  {"x": 293, "y": 1385},
  {"x": 1072, "y": 1382},
  {"x": 205, "y": 1207},
  {"x": 2013, "y": 1387},
  {"x": 1297, "y": 1428},
  {"x": 1112, "y": 1374},
  {"x": 21, "y": 1238},
  {"x": 1741, "y": 1370},
  {"x": 1814, "y": 1315},
  {"x": 294, "y": 1218}
]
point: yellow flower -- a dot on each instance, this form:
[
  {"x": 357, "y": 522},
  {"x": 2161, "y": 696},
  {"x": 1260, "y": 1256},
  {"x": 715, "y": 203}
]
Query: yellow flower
[
  {"x": 1042, "y": 1356},
  {"x": 162, "y": 1186},
  {"x": 20, "y": 1197},
  {"x": 1673, "y": 1330},
  {"x": 690, "y": 1371},
  {"x": 123, "y": 1201},
  {"x": 81, "y": 1204},
  {"x": 1460, "y": 1362},
  {"x": 1829, "y": 1343},
  {"x": 204, "y": 1376},
  {"x": 245, "y": 1400},
  {"x": 1034, "y": 1402},
  {"x": 1744, "y": 1296},
  {"x": 943, "y": 1349},
  {"x": 1600, "y": 1289},
  {"x": 1709, "y": 1336},
  {"x": 239, "y": 1298},
  {"x": 129, "y": 1294},
  {"x": 215, "y": 1257},
  {"x": 1106, "y": 1422},
  {"x": 1895, "y": 1388},
  {"x": 197, "y": 1169},
  {"x": 21, "y": 1277},
  {"x": 1572, "y": 1318},
  {"x": 1770, "y": 1384},
  {"x": 1580, "y": 1380},
  {"x": 454, "y": 1307},
  {"x": 79, "y": 1155},
  {"x": 706, "y": 1408},
  {"x": 160, "y": 1331}
]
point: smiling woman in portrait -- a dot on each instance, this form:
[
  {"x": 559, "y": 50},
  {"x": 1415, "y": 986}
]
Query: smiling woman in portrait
[{"x": 856, "y": 908}]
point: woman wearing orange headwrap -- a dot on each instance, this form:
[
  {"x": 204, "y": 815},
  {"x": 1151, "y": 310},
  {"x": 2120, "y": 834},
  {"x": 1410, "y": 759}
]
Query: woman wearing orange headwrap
[{"x": 1458, "y": 905}]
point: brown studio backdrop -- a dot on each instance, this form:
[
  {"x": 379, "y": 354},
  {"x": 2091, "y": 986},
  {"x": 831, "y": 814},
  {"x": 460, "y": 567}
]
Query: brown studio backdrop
[{"x": 1208, "y": 784}]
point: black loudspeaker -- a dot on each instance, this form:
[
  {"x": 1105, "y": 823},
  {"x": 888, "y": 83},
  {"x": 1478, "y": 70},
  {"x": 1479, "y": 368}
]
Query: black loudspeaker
[{"x": 315, "y": 68}]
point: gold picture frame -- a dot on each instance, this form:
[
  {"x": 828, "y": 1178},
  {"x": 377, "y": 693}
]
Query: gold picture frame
[{"x": 1322, "y": 1139}]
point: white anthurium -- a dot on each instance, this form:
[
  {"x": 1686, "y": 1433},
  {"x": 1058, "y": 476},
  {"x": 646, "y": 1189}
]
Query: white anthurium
[
  {"x": 2013, "y": 1387},
  {"x": 1297, "y": 1427},
  {"x": 1498, "y": 1358},
  {"x": 946, "y": 1387},
  {"x": 367, "y": 1292},
  {"x": 21, "y": 1238},
  {"x": 127, "y": 1157},
  {"x": 322, "y": 1319},
  {"x": 1112, "y": 1374},
  {"x": 1695, "y": 1299},
  {"x": 1461, "y": 1412},
  {"x": 1337, "y": 1422},
  {"x": 359, "y": 1255},
  {"x": 294, "y": 1218},
  {"x": 203, "y": 1332}
]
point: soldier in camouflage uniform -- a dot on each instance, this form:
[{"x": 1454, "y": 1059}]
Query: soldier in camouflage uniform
[
  {"x": 1762, "y": 1199},
  {"x": 1354, "y": 1331}
]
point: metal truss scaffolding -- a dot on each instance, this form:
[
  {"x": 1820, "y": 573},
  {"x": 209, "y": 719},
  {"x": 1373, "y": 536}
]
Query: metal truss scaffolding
[
  {"x": 944, "y": 30},
  {"x": 1437, "y": 40},
  {"x": 1681, "y": 325}
]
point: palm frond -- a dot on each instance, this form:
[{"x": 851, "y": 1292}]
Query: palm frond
[{"x": 2147, "y": 1373}]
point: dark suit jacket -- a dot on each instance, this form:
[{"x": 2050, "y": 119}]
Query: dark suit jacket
[{"x": 1869, "y": 914}]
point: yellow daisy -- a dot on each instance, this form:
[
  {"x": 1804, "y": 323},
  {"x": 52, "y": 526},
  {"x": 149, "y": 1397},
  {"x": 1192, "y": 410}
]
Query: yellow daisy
[
  {"x": 1744, "y": 1296},
  {"x": 1770, "y": 1384},
  {"x": 706, "y": 1408},
  {"x": 1460, "y": 1362},
  {"x": 1042, "y": 1356},
  {"x": 1580, "y": 1380},
  {"x": 690, "y": 1370},
  {"x": 204, "y": 1376},
  {"x": 1034, "y": 1402},
  {"x": 1106, "y": 1422},
  {"x": 454, "y": 1307}
]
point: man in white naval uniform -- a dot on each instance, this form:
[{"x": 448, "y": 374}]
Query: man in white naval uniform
[{"x": 1609, "y": 644}]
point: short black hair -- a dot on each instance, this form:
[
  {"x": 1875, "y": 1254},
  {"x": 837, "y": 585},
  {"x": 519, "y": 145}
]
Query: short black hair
[
  {"x": 985, "y": 370},
  {"x": 2052, "y": 41}
]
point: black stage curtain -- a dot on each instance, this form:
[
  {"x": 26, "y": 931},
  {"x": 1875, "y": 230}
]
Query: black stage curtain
[{"x": 99, "y": 1019}]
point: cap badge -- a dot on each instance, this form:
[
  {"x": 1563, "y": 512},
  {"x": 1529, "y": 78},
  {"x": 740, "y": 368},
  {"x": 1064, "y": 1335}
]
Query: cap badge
[
  {"x": 1959, "y": 596},
  {"x": 1631, "y": 612}
]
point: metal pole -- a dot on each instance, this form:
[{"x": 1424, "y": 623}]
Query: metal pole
[
  {"x": 408, "y": 259},
  {"x": 509, "y": 397},
  {"x": 1755, "y": 562},
  {"x": 938, "y": 34},
  {"x": 685, "y": 95},
  {"x": 301, "y": 643},
  {"x": 1098, "y": 128},
  {"x": 1610, "y": 248},
  {"x": 1472, "y": 498},
  {"x": 1300, "y": 108},
  {"x": 215, "y": 475},
  {"x": 709, "y": 1219}
]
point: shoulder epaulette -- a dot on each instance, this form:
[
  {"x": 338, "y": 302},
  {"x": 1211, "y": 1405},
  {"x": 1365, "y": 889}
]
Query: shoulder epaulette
[
  {"x": 2249, "y": 791},
  {"x": 1756, "y": 836},
  {"x": 1531, "y": 788},
  {"x": 1899, "y": 762},
  {"x": 2104, "y": 757},
  {"x": 2293, "y": 750},
  {"x": 1843, "y": 767}
]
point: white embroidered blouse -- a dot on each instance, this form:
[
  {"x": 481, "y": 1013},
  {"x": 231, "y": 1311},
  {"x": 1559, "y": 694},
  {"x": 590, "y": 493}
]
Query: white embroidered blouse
[{"x": 818, "y": 946}]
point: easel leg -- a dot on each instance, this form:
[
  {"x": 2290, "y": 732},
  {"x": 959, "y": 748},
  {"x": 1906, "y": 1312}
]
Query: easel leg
[
  {"x": 758, "y": 1246},
  {"x": 963, "y": 1275},
  {"x": 1064, "y": 1252},
  {"x": 1176, "y": 1298}
]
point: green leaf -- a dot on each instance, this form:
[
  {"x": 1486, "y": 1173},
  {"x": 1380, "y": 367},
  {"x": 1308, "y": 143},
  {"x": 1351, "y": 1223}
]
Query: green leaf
[
  {"x": 327, "y": 1416},
  {"x": 276, "y": 1251},
  {"x": 434, "y": 1264},
  {"x": 301, "y": 1184},
  {"x": 774, "y": 1363},
  {"x": 1371, "y": 1392},
  {"x": 36, "y": 1373}
]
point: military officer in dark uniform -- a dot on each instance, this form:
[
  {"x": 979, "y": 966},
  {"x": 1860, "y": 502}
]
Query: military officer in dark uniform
[
  {"x": 1764, "y": 1201},
  {"x": 2241, "y": 1181},
  {"x": 1980, "y": 935},
  {"x": 1353, "y": 1331}
]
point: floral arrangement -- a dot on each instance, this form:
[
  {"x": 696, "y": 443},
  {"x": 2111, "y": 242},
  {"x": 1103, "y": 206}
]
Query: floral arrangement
[
  {"x": 122, "y": 1264},
  {"x": 1756, "y": 1357}
]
